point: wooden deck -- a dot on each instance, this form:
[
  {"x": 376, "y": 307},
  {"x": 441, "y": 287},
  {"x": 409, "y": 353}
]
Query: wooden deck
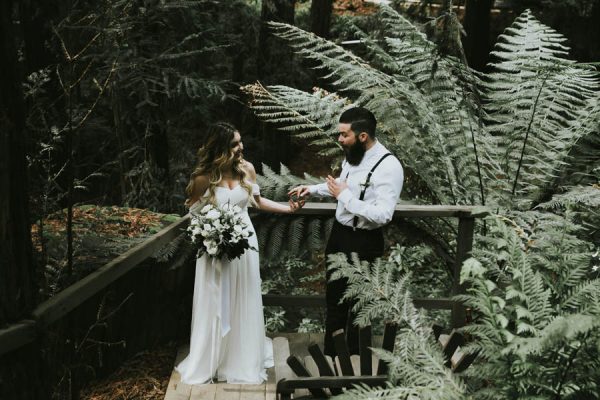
[{"x": 284, "y": 344}]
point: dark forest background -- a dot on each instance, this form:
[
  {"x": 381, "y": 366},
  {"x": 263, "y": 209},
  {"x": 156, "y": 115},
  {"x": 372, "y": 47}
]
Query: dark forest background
[{"x": 105, "y": 102}]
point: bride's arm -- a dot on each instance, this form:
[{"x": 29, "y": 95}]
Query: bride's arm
[
  {"x": 200, "y": 186},
  {"x": 265, "y": 204}
]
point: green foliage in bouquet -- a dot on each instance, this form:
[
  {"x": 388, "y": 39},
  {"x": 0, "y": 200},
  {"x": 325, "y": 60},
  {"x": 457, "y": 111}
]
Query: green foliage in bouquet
[{"x": 219, "y": 231}]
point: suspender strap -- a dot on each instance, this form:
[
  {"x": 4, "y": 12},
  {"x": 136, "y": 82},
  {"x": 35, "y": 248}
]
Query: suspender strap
[{"x": 364, "y": 188}]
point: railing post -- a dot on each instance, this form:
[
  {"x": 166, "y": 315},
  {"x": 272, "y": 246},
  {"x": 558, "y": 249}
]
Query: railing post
[{"x": 466, "y": 227}]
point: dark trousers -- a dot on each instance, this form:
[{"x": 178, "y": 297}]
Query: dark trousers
[{"x": 368, "y": 245}]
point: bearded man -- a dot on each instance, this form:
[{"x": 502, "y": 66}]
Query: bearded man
[{"x": 367, "y": 191}]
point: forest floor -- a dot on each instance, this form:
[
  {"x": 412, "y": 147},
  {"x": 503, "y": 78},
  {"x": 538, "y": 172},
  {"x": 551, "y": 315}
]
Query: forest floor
[
  {"x": 99, "y": 235},
  {"x": 143, "y": 377}
]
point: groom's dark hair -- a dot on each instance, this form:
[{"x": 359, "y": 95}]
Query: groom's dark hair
[{"x": 360, "y": 120}]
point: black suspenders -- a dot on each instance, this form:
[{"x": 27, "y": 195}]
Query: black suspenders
[{"x": 364, "y": 187}]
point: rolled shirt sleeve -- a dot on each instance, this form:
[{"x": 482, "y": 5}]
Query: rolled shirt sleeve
[{"x": 320, "y": 190}]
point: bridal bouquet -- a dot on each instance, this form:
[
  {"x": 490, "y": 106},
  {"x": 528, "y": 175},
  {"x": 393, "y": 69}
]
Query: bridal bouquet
[{"x": 220, "y": 231}]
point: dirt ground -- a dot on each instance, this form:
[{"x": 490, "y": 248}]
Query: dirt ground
[{"x": 144, "y": 377}]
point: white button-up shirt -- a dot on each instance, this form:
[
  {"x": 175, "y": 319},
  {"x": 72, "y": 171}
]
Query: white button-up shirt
[{"x": 381, "y": 196}]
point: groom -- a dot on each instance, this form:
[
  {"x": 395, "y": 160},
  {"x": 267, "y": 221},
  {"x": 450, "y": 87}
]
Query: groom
[{"x": 367, "y": 192}]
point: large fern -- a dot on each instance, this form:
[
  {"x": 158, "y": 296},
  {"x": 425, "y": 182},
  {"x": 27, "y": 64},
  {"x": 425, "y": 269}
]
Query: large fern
[
  {"x": 310, "y": 116},
  {"x": 533, "y": 329},
  {"x": 509, "y": 139},
  {"x": 535, "y": 100},
  {"x": 417, "y": 364}
]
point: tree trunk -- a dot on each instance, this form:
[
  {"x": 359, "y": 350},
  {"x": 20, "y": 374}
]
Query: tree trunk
[
  {"x": 17, "y": 274},
  {"x": 275, "y": 65},
  {"x": 274, "y": 56},
  {"x": 35, "y": 17},
  {"x": 477, "y": 26},
  {"x": 320, "y": 17}
]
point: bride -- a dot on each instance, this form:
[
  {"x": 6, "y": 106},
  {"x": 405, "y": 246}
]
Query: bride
[{"x": 227, "y": 340}]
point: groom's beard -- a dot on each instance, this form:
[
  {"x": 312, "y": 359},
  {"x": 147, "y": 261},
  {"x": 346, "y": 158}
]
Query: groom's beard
[{"x": 355, "y": 153}]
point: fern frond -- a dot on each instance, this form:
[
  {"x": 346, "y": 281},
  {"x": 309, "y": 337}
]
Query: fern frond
[
  {"x": 311, "y": 116},
  {"x": 534, "y": 99}
]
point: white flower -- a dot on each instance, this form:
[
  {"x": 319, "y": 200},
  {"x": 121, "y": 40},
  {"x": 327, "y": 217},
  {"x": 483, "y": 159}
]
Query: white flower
[
  {"x": 595, "y": 268},
  {"x": 211, "y": 247},
  {"x": 212, "y": 250},
  {"x": 213, "y": 214},
  {"x": 206, "y": 208}
]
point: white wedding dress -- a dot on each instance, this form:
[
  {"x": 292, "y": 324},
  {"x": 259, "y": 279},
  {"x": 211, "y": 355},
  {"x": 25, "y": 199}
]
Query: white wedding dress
[{"x": 227, "y": 340}]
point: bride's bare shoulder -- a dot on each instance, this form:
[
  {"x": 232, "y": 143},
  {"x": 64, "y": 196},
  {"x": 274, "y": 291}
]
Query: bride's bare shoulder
[
  {"x": 201, "y": 181},
  {"x": 199, "y": 187},
  {"x": 249, "y": 169}
]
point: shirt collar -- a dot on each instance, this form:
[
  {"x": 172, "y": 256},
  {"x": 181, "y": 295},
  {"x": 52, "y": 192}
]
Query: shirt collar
[{"x": 373, "y": 151}]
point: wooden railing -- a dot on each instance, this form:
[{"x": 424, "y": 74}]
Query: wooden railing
[
  {"x": 466, "y": 224},
  {"x": 61, "y": 304},
  {"x": 24, "y": 332}
]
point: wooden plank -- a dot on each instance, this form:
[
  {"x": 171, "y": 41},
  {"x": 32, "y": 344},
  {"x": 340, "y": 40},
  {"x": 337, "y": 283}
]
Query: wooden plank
[
  {"x": 271, "y": 391},
  {"x": 364, "y": 339},
  {"x": 456, "y": 357},
  {"x": 174, "y": 380},
  {"x": 343, "y": 355},
  {"x": 295, "y": 343},
  {"x": 389, "y": 338},
  {"x": 311, "y": 366},
  {"x": 184, "y": 389},
  {"x": 284, "y": 300},
  {"x": 175, "y": 389},
  {"x": 429, "y": 303},
  {"x": 69, "y": 298},
  {"x": 323, "y": 363},
  {"x": 443, "y": 339},
  {"x": 176, "y": 396},
  {"x": 355, "y": 360},
  {"x": 437, "y": 331},
  {"x": 318, "y": 301},
  {"x": 316, "y": 338},
  {"x": 403, "y": 209},
  {"x": 464, "y": 362},
  {"x": 299, "y": 344},
  {"x": 281, "y": 351},
  {"x": 301, "y": 371},
  {"x": 252, "y": 392},
  {"x": 204, "y": 392},
  {"x": 333, "y": 381},
  {"x": 466, "y": 227},
  {"x": 228, "y": 391},
  {"x": 17, "y": 335},
  {"x": 454, "y": 341}
]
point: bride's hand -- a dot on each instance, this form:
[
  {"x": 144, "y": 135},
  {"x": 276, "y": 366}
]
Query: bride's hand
[{"x": 296, "y": 205}]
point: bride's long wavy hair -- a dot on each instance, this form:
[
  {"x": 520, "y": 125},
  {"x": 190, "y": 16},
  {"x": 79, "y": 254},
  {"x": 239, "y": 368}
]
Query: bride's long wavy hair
[{"x": 213, "y": 157}]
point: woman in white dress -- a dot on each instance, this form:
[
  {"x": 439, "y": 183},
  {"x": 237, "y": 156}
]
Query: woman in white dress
[{"x": 227, "y": 340}]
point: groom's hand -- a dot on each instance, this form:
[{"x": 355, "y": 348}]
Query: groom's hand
[
  {"x": 335, "y": 188},
  {"x": 300, "y": 192}
]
